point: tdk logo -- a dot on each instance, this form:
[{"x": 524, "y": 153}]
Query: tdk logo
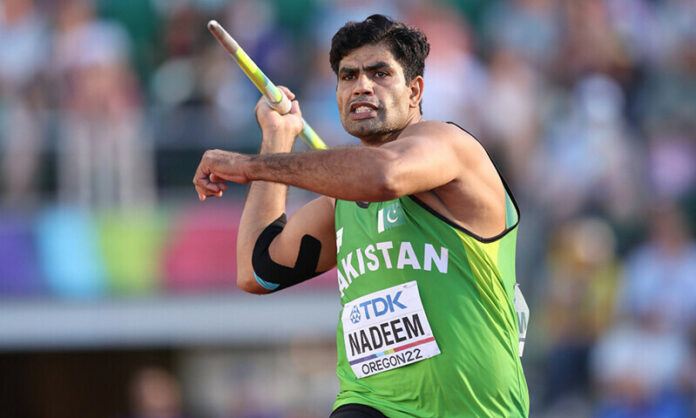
[{"x": 377, "y": 307}]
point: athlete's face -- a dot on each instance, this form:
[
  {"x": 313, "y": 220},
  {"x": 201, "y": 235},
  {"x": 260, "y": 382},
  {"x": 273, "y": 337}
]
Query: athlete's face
[{"x": 373, "y": 97}]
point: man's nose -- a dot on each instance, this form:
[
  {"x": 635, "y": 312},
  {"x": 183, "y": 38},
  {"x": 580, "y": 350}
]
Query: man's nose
[{"x": 363, "y": 86}]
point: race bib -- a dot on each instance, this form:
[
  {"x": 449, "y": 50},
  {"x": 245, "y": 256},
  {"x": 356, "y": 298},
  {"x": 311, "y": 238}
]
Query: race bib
[
  {"x": 522, "y": 316},
  {"x": 386, "y": 330}
]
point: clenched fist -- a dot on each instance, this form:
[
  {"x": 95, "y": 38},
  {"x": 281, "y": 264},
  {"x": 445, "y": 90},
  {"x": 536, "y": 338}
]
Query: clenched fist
[{"x": 217, "y": 166}]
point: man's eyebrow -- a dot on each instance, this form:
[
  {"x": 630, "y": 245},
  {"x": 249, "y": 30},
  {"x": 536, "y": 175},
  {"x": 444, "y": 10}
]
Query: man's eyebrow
[
  {"x": 377, "y": 66},
  {"x": 347, "y": 70},
  {"x": 372, "y": 67}
]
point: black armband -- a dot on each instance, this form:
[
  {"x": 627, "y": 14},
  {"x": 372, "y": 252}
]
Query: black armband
[{"x": 273, "y": 276}]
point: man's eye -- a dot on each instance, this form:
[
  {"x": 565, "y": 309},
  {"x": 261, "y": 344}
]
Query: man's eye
[
  {"x": 382, "y": 74},
  {"x": 346, "y": 77}
]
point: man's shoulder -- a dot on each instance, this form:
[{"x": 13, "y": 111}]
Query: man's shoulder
[
  {"x": 439, "y": 130},
  {"x": 447, "y": 136}
]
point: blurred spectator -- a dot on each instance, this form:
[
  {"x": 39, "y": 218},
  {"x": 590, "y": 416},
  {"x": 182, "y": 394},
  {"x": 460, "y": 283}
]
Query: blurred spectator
[
  {"x": 104, "y": 161},
  {"x": 591, "y": 44},
  {"x": 589, "y": 160},
  {"x": 175, "y": 81},
  {"x": 155, "y": 393},
  {"x": 676, "y": 34},
  {"x": 640, "y": 373},
  {"x": 455, "y": 79},
  {"x": 583, "y": 276},
  {"x": 24, "y": 46},
  {"x": 514, "y": 91},
  {"x": 657, "y": 313},
  {"x": 530, "y": 28},
  {"x": 659, "y": 287},
  {"x": 332, "y": 15},
  {"x": 670, "y": 164}
]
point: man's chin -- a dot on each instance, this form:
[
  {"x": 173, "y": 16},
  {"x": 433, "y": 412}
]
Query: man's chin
[{"x": 363, "y": 128}]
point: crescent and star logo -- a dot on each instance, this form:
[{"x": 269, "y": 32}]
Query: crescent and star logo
[{"x": 390, "y": 216}]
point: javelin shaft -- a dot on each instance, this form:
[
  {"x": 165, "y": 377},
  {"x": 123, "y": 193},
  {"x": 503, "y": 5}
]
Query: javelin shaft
[{"x": 275, "y": 96}]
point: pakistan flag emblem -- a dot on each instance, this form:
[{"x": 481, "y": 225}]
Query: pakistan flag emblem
[
  {"x": 355, "y": 315},
  {"x": 390, "y": 216}
]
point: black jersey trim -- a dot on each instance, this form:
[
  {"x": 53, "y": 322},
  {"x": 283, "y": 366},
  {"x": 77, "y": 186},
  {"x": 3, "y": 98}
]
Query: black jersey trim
[{"x": 461, "y": 228}]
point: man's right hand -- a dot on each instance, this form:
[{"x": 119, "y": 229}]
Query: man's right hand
[
  {"x": 217, "y": 166},
  {"x": 279, "y": 131}
]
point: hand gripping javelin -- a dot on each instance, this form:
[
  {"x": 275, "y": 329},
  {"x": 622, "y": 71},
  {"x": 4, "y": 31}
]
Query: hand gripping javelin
[{"x": 274, "y": 96}]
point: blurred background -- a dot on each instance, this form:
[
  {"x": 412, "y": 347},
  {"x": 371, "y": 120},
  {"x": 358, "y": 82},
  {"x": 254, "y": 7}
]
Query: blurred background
[{"x": 117, "y": 294}]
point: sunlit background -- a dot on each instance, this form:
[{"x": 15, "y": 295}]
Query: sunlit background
[{"x": 117, "y": 294}]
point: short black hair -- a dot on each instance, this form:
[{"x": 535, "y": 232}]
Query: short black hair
[{"x": 408, "y": 45}]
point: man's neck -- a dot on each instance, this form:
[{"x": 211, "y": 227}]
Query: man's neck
[{"x": 379, "y": 140}]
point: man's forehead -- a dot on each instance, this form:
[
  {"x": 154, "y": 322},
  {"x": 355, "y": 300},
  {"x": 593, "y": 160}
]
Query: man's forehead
[{"x": 368, "y": 55}]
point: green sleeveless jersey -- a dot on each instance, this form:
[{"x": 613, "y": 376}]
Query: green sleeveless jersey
[{"x": 428, "y": 327}]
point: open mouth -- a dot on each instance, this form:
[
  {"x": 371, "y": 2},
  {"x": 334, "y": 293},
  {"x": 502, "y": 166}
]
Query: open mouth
[{"x": 363, "y": 110}]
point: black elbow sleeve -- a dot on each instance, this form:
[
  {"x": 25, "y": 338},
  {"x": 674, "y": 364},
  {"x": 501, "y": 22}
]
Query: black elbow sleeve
[{"x": 274, "y": 276}]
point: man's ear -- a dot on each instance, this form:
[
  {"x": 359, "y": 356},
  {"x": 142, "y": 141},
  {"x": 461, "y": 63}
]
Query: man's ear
[{"x": 416, "y": 86}]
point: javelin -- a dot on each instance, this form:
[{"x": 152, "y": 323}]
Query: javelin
[{"x": 274, "y": 96}]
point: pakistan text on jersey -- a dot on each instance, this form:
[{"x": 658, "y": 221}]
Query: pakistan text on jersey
[
  {"x": 372, "y": 257},
  {"x": 385, "y": 334}
]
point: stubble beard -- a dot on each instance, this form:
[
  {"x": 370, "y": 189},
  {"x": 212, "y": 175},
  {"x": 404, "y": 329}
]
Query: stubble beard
[{"x": 370, "y": 131}]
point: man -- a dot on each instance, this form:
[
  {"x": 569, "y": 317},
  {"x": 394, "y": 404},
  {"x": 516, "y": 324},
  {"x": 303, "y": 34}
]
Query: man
[{"x": 420, "y": 222}]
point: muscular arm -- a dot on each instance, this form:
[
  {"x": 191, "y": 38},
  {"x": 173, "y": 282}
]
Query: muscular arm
[
  {"x": 426, "y": 156},
  {"x": 266, "y": 202}
]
